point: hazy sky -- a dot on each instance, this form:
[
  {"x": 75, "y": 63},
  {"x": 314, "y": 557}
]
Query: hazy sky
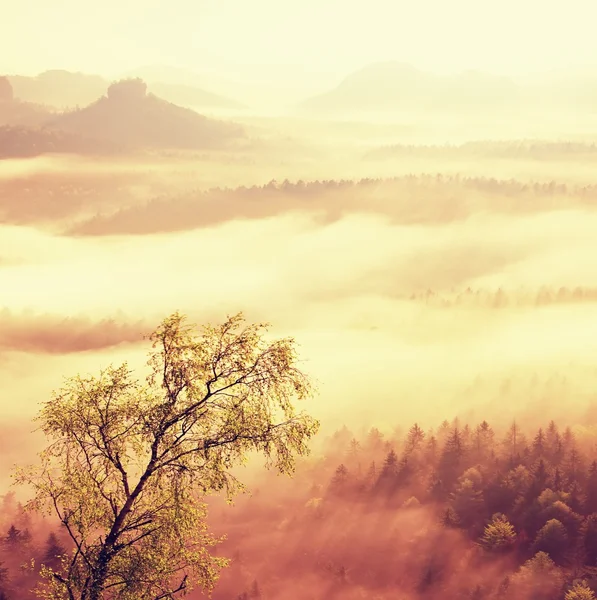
[{"x": 332, "y": 37}]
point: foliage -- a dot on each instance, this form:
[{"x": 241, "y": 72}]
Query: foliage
[
  {"x": 129, "y": 463},
  {"x": 580, "y": 591},
  {"x": 133, "y": 89},
  {"x": 499, "y": 534}
]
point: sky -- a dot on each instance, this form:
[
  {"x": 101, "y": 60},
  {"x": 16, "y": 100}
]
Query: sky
[{"x": 237, "y": 38}]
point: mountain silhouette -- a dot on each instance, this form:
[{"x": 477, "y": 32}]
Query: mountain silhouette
[
  {"x": 58, "y": 88},
  {"x": 16, "y": 112},
  {"x": 183, "y": 86},
  {"x": 396, "y": 87},
  {"x": 129, "y": 115},
  {"x": 66, "y": 90}
]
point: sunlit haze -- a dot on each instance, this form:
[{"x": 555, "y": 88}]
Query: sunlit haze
[
  {"x": 343, "y": 254},
  {"x": 303, "y": 42}
]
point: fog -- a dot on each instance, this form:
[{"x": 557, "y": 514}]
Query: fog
[
  {"x": 340, "y": 282},
  {"x": 417, "y": 211}
]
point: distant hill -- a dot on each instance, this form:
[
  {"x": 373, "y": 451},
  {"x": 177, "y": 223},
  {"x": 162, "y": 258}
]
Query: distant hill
[
  {"x": 67, "y": 90},
  {"x": 264, "y": 89},
  {"x": 129, "y": 115},
  {"x": 17, "y": 112},
  {"x": 182, "y": 86},
  {"x": 397, "y": 87},
  {"x": 166, "y": 74},
  {"x": 58, "y": 88}
]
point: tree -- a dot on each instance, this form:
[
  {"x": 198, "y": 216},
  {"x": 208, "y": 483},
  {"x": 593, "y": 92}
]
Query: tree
[
  {"x": 539, "y": 480},
  {"x": 467, "y": 502},
  {"x": 339, "y": 480},
  {"x": 483, "y": 440},
  {"x": 514, "y": 440},
  {"x": 591, "y": 488},
  {"x": 573, "y": 466},
  {"x": 129, "y": 463},
  {"x": 53, "y": 552},
  {"x": 539, "y": 444},
  {"x": 499, "y": 534},
  {"x": 589, "y": 540},
  {"x": 431, "y": 449},
  {"x": 450, "y": 518},
  {"x": 132, "y": 89},
  {"x": 414, "y": 438},
  {"x": 374, "y": 439},
  {"x": 389, "y": 472},
  {"x": 553, "y": 539},
  {"x": 580, "y": 591},
  {"x": 451, "y": 458},
  {"x": 539, "y": 578},
  {"x": 13, "y": 537}
]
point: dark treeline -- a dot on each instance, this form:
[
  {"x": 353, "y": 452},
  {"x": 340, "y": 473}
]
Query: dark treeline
[
  {"x": 410, "y": 199},
  {"x": 47, "y": 197},
  {"x": 516, "y": 149},
  {"x": 26, "y": 542},
  {"x": 460, "y": 511},
  {"x": 500, "y": 298}
]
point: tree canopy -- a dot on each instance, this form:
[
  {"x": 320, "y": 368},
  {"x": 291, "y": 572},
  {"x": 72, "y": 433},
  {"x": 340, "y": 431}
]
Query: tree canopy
[{"x": 130, "y": 462}]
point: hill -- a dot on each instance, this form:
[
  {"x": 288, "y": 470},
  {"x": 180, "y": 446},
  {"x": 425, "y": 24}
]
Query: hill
[
  {"x": 58, "y": 88},
  {"x": 397, "y": 87},
  {"x": 179, "y": 85},
  {"x": 16, "y": 112},
  {"x": 66, "y": 90},
  {"x": 129, "y": 115}
]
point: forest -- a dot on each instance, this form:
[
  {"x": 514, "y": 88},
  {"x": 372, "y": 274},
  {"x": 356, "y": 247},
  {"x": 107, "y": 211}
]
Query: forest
[
  {"x": 457, "y": 511},
  {"x": 389, "y": 214}
]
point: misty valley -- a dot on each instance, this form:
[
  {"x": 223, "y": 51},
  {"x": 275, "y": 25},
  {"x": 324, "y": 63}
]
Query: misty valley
[{"x": 337, "y": 345}]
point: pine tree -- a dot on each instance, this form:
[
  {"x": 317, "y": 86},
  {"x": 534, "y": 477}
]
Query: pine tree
[
  {"x": 53, "y": 551},
  {"x": 590, "y": 504},
  {"x": 499, "y": 535},
  {"x": 451, "y": 459},
  {"x": 573, "y": 466},
  {"x": 557, "y": 480},
  {"x": 13, "y": 537},
  {"x": 552, "y": 539},
  {"x": 371, "y": 476},
  {"x": 339, "y": 481},
  {"x": 588, "y": 540},
  {"x": 467, "y": 502},
  {"x": 539, "y": 480},
  {"x": 483, "y": 440},
  {"x": 580, "y": 591},
  {"x": 431, "y": 449},
  {"x": 538, "y": 447},
  {"x": 388, "y": 476},
  {"x": 354, "y": 454},
  {"x": 405, "y": 470},
  {"x": 414, "y": 438}
]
